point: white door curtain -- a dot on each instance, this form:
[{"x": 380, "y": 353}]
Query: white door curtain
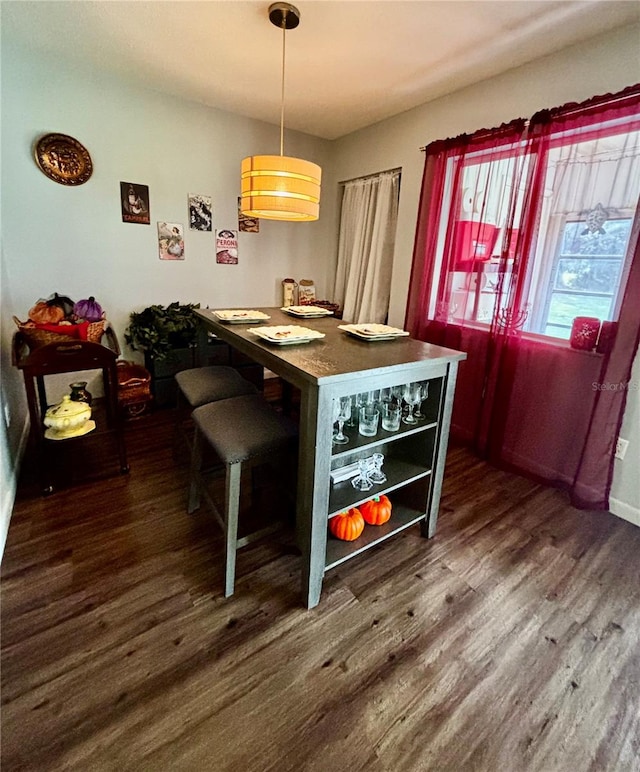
[{"x": 365, "y": 247}]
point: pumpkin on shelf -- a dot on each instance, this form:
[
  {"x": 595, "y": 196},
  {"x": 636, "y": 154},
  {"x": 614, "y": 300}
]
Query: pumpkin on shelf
[
  {"x": 377, "y": 510},
  {"x": 347, "y": 526}
]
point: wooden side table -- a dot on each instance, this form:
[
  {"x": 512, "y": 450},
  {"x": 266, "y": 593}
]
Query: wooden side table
[{"x": 73, "y": 356}]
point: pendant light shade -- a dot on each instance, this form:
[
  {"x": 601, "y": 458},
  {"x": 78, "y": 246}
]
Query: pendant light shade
[{"x": 278, "y": 187}]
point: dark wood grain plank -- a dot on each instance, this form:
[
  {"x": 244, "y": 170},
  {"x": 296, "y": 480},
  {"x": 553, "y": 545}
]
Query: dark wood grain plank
[{"x": 510, "y": 642}]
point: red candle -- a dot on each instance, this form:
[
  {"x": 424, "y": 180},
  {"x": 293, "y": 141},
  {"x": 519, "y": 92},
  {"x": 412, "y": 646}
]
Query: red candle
[{"x": 584, "y": 332}]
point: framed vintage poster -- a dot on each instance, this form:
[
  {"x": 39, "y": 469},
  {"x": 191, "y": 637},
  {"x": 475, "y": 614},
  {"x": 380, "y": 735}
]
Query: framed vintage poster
[
  {"x": 170, "y": 241},
  {"x": 227, "y": 247},
  {"x": 200, "y": 212},
  {"x": 134, "y": 200}
]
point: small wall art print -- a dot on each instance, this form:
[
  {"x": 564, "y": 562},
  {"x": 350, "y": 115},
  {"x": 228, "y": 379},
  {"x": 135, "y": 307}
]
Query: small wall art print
[
  {"x": 170, "y": 241},
  {"x": 134, "y": 200},
  {"x": 199, "y": 212},
  {"x": 247, "y": 224},
  {"x": 227, "y": 247}
]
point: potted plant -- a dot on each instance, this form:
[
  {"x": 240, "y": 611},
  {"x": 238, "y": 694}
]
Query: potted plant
[
  {"x": 168, "y": 335},
  {"x": 160, "y": 330}
]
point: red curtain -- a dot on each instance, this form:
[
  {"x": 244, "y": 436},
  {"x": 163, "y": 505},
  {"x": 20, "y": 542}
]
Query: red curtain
[{"x": 525, "y": 401}]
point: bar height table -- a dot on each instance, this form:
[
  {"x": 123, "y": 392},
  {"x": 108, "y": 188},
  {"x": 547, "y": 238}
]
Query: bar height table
[{"x": 340, "y": 365}]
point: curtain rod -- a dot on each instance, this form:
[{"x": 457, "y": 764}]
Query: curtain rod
[
  {"x": 572, "y": 108},
  {"x": 481, "y": 133},
  {"x": 370, "y": 176}
]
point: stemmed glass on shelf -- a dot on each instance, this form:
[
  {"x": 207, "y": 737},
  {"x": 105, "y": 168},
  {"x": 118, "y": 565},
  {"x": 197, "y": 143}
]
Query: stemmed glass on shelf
[
  {"x": 341, "y": 413},
  {"x": 352, "y": 421},
  {"x": 397, "y": 392},
  {"x": 424, "y": 394},
  {"x": 411, "y": 395}
]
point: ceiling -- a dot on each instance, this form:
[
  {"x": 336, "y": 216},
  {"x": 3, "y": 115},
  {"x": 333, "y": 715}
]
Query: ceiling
[{"x": 348, "y": 64}]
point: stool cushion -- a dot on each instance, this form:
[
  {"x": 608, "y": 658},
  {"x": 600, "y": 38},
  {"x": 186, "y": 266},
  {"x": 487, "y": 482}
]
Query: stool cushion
[
  {"x": 200, "y": 385},
  {"x": 243, "y": 427}
]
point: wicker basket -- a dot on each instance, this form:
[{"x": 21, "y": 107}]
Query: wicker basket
[
  {"x": 134, "y": 387},
  {"x": 36, "y": 336}
]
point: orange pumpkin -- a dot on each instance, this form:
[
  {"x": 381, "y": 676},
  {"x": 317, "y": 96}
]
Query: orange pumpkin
[
  {"x": 347, "y": 526},
  {"x": 43, "y": 313},
  {"x": 377, "y": 510}
]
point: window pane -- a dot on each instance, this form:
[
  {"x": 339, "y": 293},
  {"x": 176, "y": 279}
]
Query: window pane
[
  {"x": 564, "y": 308},
  {"x": 595, "y": 275},
  {"x": 586, "y": 237}
]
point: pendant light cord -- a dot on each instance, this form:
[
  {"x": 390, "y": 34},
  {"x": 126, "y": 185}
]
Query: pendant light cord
[{"x": 284, "y": 29}]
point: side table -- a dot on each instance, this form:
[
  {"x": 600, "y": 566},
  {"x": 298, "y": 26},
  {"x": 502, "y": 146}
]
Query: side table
[{"x": 68, "y": 357}]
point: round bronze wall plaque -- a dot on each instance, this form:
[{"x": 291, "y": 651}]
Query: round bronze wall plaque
[{"x": 63, "y": 159}]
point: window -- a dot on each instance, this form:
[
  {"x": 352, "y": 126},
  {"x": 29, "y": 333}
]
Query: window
[
  {"x": 579, "y": 199},
  {"x": 521, "y": 228},
  {"x": 587, "y": 271}
]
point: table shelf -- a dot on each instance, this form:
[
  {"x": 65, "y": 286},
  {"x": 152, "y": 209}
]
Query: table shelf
[
  {"x": 344, "y": 496},
  {"x": 340, "y": 551},
  {"x": 358, "y": 441}
]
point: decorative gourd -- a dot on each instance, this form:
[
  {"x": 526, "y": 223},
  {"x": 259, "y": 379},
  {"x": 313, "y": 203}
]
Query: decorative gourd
[
  {"x": 89, "y": 310},
  {"x": 43, "y": 313},
  {"x": 347, "y": 526},
  {"x": 63, "y": 302},
  {"x": 377, "y": 510}
]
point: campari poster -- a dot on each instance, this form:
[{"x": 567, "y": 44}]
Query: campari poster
[{"x": 227, "y": 247}]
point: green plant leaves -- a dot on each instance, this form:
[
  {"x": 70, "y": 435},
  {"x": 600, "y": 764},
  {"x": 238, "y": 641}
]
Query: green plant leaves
[{"x": 160, "y": 329}]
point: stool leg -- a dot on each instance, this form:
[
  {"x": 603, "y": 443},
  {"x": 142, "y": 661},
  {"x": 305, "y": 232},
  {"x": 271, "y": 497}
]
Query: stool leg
[
  {"x": 179, "y": 418},
  {"x": 231, "y": 507},
  {"x": 194, "y": 477}
]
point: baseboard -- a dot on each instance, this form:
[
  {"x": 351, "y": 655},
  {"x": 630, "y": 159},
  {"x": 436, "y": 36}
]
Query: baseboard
[
  {"x": 9, "y": 495},
  {"x": 624, "y": 510}
]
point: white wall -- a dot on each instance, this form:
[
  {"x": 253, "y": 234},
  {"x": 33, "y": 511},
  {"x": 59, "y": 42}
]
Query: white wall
[
  {"x": 625, "y": 490},
  {"x": 73, "y": 241},
  {"x": 607, "y": 63}
]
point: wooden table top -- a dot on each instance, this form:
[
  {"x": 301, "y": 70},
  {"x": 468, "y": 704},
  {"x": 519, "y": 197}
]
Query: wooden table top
[{"x": 335, "y": 357}]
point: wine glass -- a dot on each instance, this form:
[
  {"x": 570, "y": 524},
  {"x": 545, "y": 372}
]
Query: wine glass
[
  {"x": 386, "y": 395},
  {"x": 396, "y": 392},
  {"x": 376, "y": 475},
  {"x": 352, "y": 421},
  {"x": 368, "y": 398},
  {"x": 341, "y": 413},
  {"x": 424, "y": 394},
  {"x": 363, "y": 481},
  {"x": 411, "y": 395}
]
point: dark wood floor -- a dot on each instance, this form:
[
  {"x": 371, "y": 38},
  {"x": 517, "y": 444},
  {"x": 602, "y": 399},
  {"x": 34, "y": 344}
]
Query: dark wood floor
[{"x": 511, "y": 641}]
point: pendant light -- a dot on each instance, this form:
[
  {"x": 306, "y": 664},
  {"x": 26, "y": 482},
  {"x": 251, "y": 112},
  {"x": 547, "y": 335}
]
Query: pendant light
[{"x": 278, "y": 187}]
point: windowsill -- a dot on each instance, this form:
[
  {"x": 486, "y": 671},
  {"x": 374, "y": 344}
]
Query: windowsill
[
  {"x": 560, "y": 343},
  {"x": 534, "y": 337}
]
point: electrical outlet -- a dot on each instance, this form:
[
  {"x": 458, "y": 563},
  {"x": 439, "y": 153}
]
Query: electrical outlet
[{"x": 621, "y": 448}]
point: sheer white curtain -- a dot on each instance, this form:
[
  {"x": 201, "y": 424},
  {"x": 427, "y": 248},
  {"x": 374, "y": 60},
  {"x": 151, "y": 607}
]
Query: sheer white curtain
[{"x": 365, "y": 247}]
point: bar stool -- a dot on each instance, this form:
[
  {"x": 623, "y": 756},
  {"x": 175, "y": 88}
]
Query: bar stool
[
  {"x": 201, "y": 385},
  {"x": 239, "y": 430}
]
